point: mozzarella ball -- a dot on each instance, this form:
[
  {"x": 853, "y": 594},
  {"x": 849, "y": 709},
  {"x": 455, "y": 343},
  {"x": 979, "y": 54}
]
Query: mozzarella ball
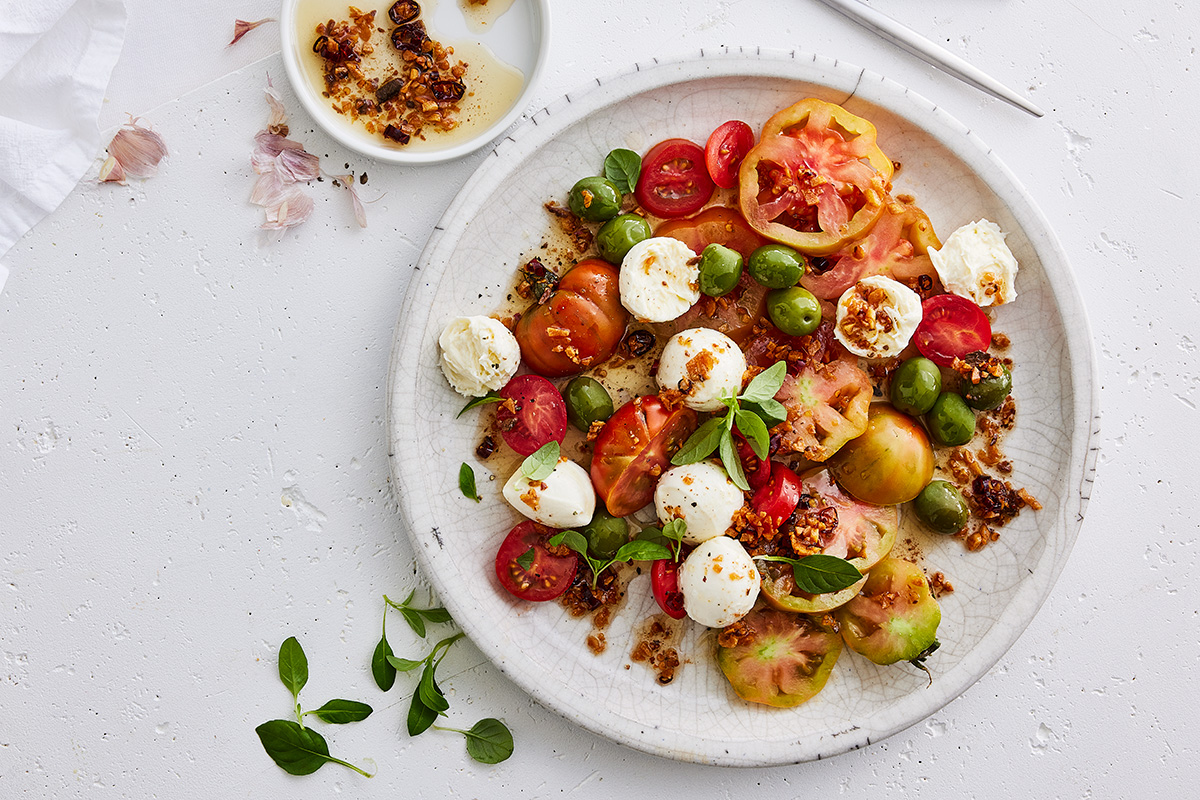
[
  {"x": 479, "y": 355},
  {"x": 659, "y": 279},
  {"x": 976, "y": 263},
  {"x": 877, "y": 316},
  {"x": 705, "y": 365},
  {"x": 719, "y": 582},
  {"x": 700, "y": 494},
  {"x": 563, "y": 499}
]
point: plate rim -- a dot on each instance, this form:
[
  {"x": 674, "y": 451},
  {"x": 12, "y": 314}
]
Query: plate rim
[{"x": 837, "y": 75}]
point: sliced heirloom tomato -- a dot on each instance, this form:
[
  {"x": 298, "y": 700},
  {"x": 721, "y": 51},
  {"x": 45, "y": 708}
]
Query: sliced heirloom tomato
[
  {"x": 735, "y": 313},
  {"x": 776, "y": 658},
  {"x": 664, "y": 581},
  {"x": 826, "y": 407},
  {"x": 674, "y": 181},
  {"x": 864, "y": 535},
  {"x": 895, "y": 618},
  {"x": 898, "y": 247},
  {"x": 951, "y": 327},
  {"x": 580, "y": 324},
  {"x": 547, "y": 576},
  {"x": 536, "y": 417},
  {"x": 724, "y": 151},
  {"x": 634, "y": 447},
  {"x": 816, "y": 180}
]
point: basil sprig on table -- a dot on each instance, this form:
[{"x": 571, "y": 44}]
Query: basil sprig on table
[
  {"x": 296, "y": 749},
  {"x": 636, "y": 550},
  {"x": 751, "y": 411},
  {"x": 623, "y": 167},
  {"x": 383, "y": 672},
  {"x": 819, "y": 573}
]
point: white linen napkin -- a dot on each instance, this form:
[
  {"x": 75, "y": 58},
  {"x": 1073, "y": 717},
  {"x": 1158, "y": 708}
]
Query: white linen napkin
[{"x": 56, "y": 57}]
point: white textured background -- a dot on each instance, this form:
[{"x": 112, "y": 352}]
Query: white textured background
[{"x": 191, "y": 435}]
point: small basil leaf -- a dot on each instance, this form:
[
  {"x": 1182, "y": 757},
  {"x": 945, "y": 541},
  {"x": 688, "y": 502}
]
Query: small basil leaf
[
  {"x": 641, "y": 550},
  {"x": 541, "y": 463},
  {"x": 572, "y": 539},
  {"x": 489, "y": 741},
  {"x": 675, "y": 529},
  {"x": 766, "y": 383},
  {"x": 525, "y": 560},
  {"x": 490, "y": 397},
  {"x": 755, "y": 432},
  {"x": 296, "y": 749},
  {"x": 383, "y": 672},
  {"x": 339, "y": 712},
  {"x": 623, "y": 167},
  {"x": 466, "y": 482},
  {"x": 293, "y": 666},
  {"x": 430, "y": 693},
  {"x": 820, "y": 573},
  {"x": 733, "y": 464},
  {"x": 414, "y": 621},
  {"x": 771, "y": 412},
  {"x": 701, "y": 443},
  {"x": 403, "y": 664},
  {"x": 420, "y": 716},
  {"x": 434, "y": 614},
  {"x": 653, "y": 536}
]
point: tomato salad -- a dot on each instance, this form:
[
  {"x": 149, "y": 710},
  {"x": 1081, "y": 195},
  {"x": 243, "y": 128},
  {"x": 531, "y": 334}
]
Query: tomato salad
[{"x": 816, "y": 363}]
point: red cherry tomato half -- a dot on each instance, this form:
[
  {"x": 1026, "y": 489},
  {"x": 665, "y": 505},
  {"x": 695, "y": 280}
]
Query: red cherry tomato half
[
  {"x": 547, "y": 576},
  {"x": 674, "y": 181},
  {"x": 726, "y": 148},
  {"x": 540, "y": 415},
  {"x": 757, "y": 470},
  {"x": 779, "y": 498},
  {"x": 664, "y": 580},
  {"x": 951, "y": 326}
]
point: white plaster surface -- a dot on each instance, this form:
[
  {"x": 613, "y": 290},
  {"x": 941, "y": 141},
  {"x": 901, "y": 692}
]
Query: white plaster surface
[{"x": 193, "y": 467}]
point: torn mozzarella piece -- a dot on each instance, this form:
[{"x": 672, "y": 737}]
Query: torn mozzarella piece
[
  {"x": 659, "y": 279},
  {"x": 479, "y": 355},
  {"x": 700, "y": 494},
  {"x": 705, "y": 365},
  {"x": 563, "y": 499},
  {"x": 976, "y": 263},
  {"x": 877, "y": 316},
  {"x": 719, "y": 582}
]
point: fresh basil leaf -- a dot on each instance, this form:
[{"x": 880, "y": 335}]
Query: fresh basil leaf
[
  {"x": 541, "y": 463},
  {"x": 296, "y": 749},
  {"x": 434, "y": 614},
  {"x": 623, "y": 167},
  {"x": 444, "y": 644},
  {"x": 820, "y": 573},
  {"x": 652, "y": 535},
  {"x": 410, "y": 597},
  {"x": 754, "y": 430},
  {"x": 475, "y": 402},
  {"x": 383, "y": 672},
  {"x": 466, "y": 482},
  {"x": 414, "y": 621},
  {"x": 489, "y": 741},
  {"x": 293, "y": 666},
  {"x": 430, "y": 693},
  {"x": 641, "y": 550},
  {"x": 420, "y": 716},
  {"x": 766, "y": 383},
  {"x": 339, "y": 712},
  {"x": 701, "y": 443},
  {"x": 525, "y": 560},
  {"x": 572, "y": 539},
  {"x": 733, "y": 464},
  {"x": 771, "y": 412},
  {"x": 675, "y": 529},
  {"x": 403, "y": 664}
]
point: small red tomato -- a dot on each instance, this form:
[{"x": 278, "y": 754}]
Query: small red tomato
[
  {"x": 539, "y": 414},
  {"x": 779, "y": 498},
  {"x": 664, "y": 580},
  {"x": 726, "y": 148},
  {"x": 547, "y": 575},
  {"x": 756, "y": 470},
  {"x": 674, "y": 181},
  {"x": 951, "y": 326}
]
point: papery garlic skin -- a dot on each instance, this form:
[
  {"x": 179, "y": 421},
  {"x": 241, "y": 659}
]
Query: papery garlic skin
[{"x": 137, "y": 149}]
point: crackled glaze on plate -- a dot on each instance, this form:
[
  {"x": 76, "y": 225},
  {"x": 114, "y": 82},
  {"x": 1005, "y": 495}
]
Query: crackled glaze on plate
[{"x": 467, "y": 268}]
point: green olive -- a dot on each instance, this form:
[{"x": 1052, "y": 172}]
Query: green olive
[
  {"x": 595, "y": 199},
  {"x": 720, "y": 270},
  {"x": 951, "y": 421},
  {"x": 941, "y": 506},
  {"x": 916, "y": 386},
  {"x": 605, "y": 533},
  {"x": 776, "y": 266},
  {"x": 616, "y": 236},
  {"x": 587, "y": 402},
  {"x": 795, "y": 311},
  {"x": 989, "y": 392}
]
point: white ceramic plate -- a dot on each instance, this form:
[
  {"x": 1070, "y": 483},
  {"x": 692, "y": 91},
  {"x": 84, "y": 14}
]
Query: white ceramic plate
[{"x": 468, "y": 267}]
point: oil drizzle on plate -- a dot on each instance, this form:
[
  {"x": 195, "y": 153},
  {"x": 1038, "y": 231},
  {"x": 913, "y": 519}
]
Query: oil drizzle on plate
[{"x": 480, "y": 15}]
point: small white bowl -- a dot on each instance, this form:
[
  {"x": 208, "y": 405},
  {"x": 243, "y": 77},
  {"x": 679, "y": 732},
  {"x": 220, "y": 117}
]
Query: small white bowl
[{"x": 519, "y": 37}]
